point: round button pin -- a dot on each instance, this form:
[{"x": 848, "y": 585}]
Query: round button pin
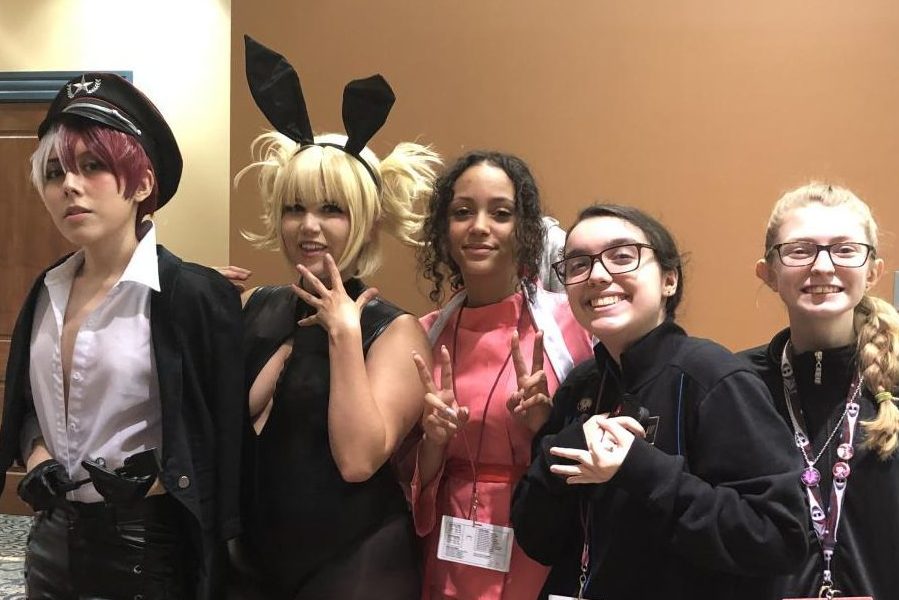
[
  {"x": 845, "y": 451},
  {"x": 841, "y": 470},
  {"x": 810, "y": 477}
]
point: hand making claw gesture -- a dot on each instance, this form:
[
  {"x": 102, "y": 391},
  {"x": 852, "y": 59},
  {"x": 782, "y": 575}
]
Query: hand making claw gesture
[
  {"x": 442, "y": 417},
  {"x": 335, "y": 311},
  {"x": 609, "y": 439},
  {"x": 532, "y": 402}
]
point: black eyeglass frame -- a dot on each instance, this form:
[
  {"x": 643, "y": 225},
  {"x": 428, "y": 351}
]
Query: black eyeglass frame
[
  {"x": 819, "y": 248},
  {"x": 557, "y": 266}
]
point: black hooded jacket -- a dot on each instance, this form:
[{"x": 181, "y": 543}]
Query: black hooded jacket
[{"x": 712, "y": 510}]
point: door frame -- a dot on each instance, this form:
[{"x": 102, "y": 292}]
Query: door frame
[{"x": 39, "y": 86}]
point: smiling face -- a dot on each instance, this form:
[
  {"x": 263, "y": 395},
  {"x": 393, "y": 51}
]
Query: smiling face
[
  {"x": 617, "y": 309},
  {"x": 86, "y": 201},
  {"x": 310, "y": 232},
  {"x": 821, "y": 294},
  {"x": 482, "y": 225}
]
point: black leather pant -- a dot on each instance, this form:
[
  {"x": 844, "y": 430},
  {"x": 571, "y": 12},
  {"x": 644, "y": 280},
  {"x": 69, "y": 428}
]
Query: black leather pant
[{"x": 100, "y": 551}]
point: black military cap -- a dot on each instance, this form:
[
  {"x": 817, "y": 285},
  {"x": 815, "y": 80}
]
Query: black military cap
[{"x": 111, "y": 100}]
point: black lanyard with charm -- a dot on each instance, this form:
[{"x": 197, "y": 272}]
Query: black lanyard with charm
[{"x": 826, "y": 520}]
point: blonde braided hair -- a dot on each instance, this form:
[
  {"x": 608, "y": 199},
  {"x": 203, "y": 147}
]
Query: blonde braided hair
[{"x": 877, "y": 326}]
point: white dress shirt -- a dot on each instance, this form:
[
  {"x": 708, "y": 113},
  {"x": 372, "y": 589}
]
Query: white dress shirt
[{"x": 113, "y": 408}]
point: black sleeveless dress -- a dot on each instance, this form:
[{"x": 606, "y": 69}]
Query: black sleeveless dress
[{"x": 307, "y": 532}]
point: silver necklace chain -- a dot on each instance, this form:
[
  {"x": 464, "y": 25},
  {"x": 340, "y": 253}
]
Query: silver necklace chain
[{"x": 801, "y": 446}]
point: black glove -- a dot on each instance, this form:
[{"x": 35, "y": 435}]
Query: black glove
[
  {"x": 45, "y": 485},
  {"x": 130, "y": 482}
]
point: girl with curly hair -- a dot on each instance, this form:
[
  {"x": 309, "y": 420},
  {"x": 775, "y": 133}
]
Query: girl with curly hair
[{"x": 499, "y": 333}]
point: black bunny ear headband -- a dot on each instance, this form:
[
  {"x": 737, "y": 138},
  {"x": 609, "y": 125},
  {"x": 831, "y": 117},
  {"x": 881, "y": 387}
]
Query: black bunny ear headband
[{"x": 276, "y": 89}]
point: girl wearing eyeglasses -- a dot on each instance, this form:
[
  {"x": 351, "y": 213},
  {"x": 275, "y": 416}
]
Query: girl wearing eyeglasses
[
  {"x": 499, "y": 332},
  {"x": 833, "y": 374},
  {"x": 664, "y": 470}
]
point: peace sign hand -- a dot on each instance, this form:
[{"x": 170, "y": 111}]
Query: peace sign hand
[
  {"x": 442, "y": 417},
  {"x": 334, "y": 309},
  {"x": 532, "y": 402}
]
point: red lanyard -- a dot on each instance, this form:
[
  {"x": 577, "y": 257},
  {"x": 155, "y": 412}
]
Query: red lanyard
[
  {"x": 474, "y": 461},
  {"x": 826, "y": 521}
]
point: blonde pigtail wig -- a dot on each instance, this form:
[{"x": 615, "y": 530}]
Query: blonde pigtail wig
[
  {"x": 312, "y": 175},
  {"x": 271, "y": 152},
  {"x": 297, "y": 166},
  {"x": 407, "y": 179},
  {"x": 877, "y": 326}
]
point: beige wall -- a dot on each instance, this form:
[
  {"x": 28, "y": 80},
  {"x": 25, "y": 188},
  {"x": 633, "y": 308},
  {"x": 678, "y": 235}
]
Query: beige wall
[
  {"x": 180, "y": 55},
  {"x": 701, "y": 112}
]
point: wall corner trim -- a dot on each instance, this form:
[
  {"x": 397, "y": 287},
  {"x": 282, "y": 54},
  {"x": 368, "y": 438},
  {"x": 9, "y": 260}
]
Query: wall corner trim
[{"x": 39, "y": 86}]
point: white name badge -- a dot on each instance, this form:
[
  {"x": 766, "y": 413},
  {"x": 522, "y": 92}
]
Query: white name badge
[
  {"x": 557, "y": 597},
  {"x": 477, "y": 544}
]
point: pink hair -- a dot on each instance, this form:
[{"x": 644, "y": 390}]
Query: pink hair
[{"x": 119, "y": 152}]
